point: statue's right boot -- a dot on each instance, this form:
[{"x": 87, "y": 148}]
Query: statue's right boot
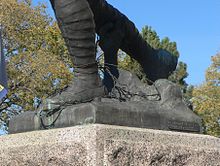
[
  {"x": 156, "y": 64},
  {"x": 76, "y": 22}
]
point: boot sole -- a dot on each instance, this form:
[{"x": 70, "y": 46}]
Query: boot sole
[{"x": 82, "y": 97}]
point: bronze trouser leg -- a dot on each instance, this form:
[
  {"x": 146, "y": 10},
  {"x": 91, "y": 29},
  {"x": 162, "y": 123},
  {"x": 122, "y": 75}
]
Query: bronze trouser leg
[
  {"x": 156, "y": 63},
  {"x": 111, "y": 36},
  {"x": 76, "y": 22},
  {"x": 77, "y": 25}
]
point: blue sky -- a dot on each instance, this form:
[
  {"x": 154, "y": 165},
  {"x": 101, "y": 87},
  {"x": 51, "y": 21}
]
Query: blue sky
[{"x": 193, "y": 24}]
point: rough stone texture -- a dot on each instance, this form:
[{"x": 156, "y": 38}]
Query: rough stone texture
[{"x": 109, "y": 145}]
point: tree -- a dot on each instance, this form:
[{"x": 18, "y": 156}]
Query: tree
[
  {"x": 151, "y": 37},
  {"x": 179, "y": 76},
  {"x": 206, "y": 98},
  {"x": 38, "y": 61}
]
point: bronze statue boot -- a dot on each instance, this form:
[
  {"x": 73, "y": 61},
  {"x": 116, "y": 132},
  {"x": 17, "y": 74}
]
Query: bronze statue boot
[
  {"x": 76, "y": 22},
  {"x": 159, "y": 64},
  {"x": 84, "y": 88}
]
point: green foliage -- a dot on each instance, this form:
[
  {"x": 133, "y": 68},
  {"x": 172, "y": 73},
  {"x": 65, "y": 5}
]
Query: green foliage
[
  {"x": 38, "y": 61},
  {"x": 179, "y": 76},
  {"x": 169, "y": 46},
  {"x": 153, "y": 39},
  {"x": 206, "y": 98},
  {"x": 129, "y": 64}
]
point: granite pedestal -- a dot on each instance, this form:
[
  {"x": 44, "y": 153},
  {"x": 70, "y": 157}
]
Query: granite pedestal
[{"x": 98, "y": 145}]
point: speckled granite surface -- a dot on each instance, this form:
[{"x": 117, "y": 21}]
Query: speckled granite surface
[{"x": 108, "y": 145}]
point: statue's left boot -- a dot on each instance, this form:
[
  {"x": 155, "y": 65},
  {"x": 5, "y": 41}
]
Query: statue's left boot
[{"x": 76, "y": 22}]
